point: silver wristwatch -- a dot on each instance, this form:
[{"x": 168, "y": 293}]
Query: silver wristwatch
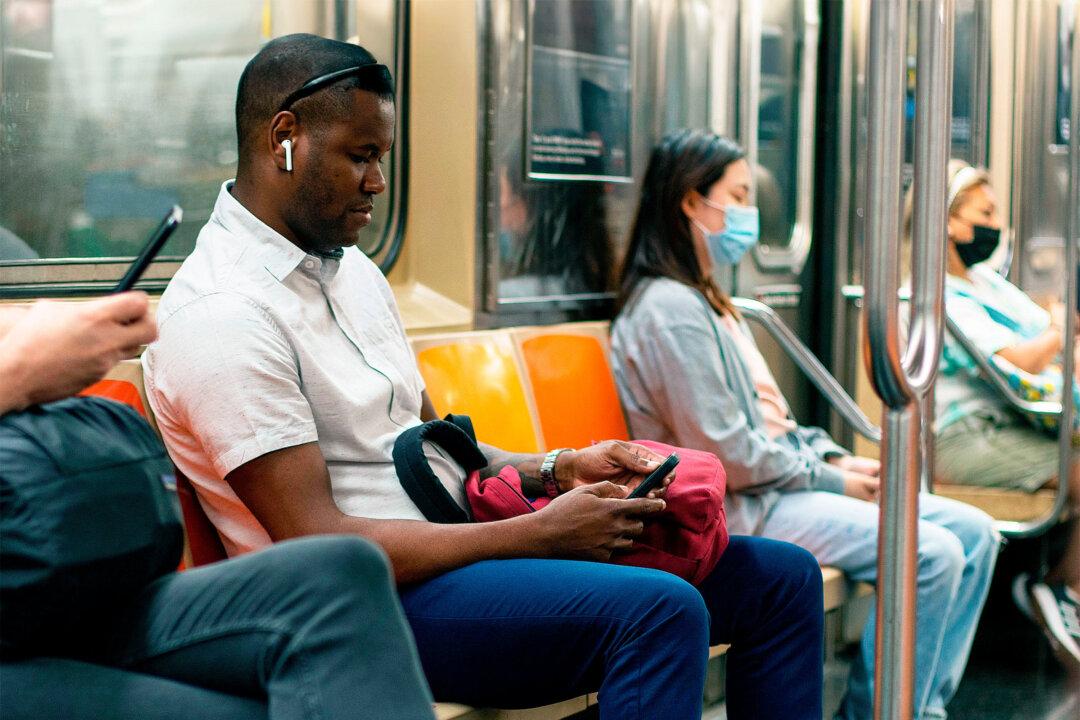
[{"x": 547, "y": 472}]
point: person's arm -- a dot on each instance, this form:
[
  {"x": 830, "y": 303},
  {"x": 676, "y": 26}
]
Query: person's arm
[
  {"x": 289, "y": 493},
  {"x": 55, "y": 349},
  {"x": 1036, "y": 354},
  {"x": 619, "y": 462},
  {"x": 684, "y": 370},
  {"x": 994, "y": 338}
]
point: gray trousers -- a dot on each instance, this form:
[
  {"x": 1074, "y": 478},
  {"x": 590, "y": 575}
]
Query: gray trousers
[{"x": 308, "y": 629}]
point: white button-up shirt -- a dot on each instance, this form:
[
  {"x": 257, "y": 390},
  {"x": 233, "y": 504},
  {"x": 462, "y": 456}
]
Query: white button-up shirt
[{"x": 263, "y": 346}]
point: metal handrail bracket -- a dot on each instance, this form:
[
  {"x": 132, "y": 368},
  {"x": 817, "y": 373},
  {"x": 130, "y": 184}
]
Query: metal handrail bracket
[{"x": 808, "y": 363}]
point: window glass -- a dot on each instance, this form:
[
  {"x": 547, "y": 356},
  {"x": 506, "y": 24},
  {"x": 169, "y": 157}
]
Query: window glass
[
  {"x": 113, "y": 110},
  {"x": 967, "y": 92},
  {"x": 776, "y": 175}
]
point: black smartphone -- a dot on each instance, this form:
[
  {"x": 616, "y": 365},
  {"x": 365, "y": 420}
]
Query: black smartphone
[
  {"x": 153, "y": 246},
  {"x": 655, "y": 478}
]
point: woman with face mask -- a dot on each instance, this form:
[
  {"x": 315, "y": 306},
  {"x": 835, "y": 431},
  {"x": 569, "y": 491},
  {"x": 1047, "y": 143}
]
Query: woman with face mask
[
  {"x": 979, "y": 438},
  {"x": 689, "y": 372}
]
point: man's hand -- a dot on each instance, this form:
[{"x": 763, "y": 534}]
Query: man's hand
[
  {"x": 55, "y": 349},
  {"x": 593, "y": 521},
  {"x": 861, "y": 487},
  {"x": 614, "y": 461},
  {"x": 857, "y": 464}
]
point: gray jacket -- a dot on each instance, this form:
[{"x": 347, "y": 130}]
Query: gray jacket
[{"x": 682, "y": 381}]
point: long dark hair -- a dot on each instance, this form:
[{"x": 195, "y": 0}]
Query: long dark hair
[{"x": 661, "y": 244}]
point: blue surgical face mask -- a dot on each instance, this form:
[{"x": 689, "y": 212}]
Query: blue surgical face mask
[{"x": 740, "y": 233}]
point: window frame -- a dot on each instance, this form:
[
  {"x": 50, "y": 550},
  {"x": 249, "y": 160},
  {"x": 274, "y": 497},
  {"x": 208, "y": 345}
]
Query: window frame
[{"x": 81, "y": 277}]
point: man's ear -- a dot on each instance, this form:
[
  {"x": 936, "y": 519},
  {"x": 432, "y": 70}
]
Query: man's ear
[{"x": 282, "y": 139}]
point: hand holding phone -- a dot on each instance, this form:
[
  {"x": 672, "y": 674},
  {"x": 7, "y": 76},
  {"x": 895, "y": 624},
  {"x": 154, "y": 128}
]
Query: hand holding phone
[
  {"x": 153, "y": 246},
  {"x": 656, "y": 477}
]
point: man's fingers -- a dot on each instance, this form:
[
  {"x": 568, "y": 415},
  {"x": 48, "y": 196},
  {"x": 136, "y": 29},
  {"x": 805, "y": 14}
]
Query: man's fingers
[
  {"x": 606, "y": 489},
  {"x": 635, "y": 457},
  {"x": 642, "y": 506},
  {"x": 125, "y": 307},
  {"x": 621, "y": 543},
  {"x": 140, "y": 332}
]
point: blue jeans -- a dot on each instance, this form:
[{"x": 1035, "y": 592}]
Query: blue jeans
[
  {"x": 307, "y": 629},
  {"x": 519, "y": 633},
  {"x": 958, "y": 547}
]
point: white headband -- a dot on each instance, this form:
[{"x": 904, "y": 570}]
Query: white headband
[{"x": 963, "y": 180}]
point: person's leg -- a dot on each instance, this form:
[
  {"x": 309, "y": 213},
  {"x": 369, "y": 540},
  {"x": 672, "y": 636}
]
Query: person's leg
[
  {"x": 843, "y": 532},
  {"x": 59, "y": 689},
  {"x": 764, "y": 598},
  {"x": 312, "y": 625},
  {"x": 1067, "y": 570},
  {"x": 523, "y": 633},
  {"x": 1054, "y": 601},
  {"x": 981, "y": 542}
]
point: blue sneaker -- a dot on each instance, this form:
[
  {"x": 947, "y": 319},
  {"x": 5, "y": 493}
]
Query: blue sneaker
[{"x": 1057, "y": 609}]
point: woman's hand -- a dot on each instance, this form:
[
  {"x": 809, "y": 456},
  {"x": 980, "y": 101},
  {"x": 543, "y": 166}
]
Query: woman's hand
[
  {"x": 861, "y": 487},
  {"x": 857, "y": 464},
  {"x": 612, "y": 461}
]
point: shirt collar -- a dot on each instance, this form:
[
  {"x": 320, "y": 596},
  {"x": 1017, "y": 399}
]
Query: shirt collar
[{"x": 279, "y": 256}]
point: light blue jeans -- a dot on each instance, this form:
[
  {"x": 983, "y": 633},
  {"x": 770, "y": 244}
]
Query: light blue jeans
[{"x": 958, "y": 547}]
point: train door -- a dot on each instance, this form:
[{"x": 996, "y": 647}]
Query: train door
[{"x": 777, "y": 112}]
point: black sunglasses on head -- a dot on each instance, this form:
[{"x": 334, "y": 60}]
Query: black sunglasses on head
[{"x": 319, "y": 82}]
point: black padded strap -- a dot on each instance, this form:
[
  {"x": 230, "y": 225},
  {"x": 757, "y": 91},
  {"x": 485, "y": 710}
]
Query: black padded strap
[{"x": 455, "y": 436}]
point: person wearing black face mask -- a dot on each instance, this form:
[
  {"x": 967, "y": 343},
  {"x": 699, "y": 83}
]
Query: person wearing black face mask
[{"x": 979, "y": 439}]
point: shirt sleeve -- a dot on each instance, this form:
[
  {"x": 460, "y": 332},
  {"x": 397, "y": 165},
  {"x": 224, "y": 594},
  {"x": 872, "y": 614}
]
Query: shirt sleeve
[
  {"x": 702, "y": 412},
  {"x": 977, "y": 324},
  {"x": 225, "y": 373}
]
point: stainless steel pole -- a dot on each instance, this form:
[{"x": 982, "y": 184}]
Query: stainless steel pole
[{"x": 901, "y": 378}]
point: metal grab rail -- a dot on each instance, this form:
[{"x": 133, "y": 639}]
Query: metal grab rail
[
  {"x": 902, "y": 378},
  {"x": 1072, "y": 261},
  {"x": 808, "y": 363}
]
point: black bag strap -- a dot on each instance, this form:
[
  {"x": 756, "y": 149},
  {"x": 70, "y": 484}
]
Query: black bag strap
[{"x": 455, "y": 435}]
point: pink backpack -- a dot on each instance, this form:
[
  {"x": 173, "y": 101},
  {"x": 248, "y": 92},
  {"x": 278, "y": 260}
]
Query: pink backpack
[{"x": 686, "y": 539}]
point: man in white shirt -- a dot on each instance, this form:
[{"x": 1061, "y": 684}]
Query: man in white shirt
[
  {"x": 282, "y": 378},
  {"x": 308, "y": 628}
]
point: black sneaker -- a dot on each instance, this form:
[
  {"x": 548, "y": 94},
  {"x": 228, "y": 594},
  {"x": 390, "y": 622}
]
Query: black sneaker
[
  {"x": 1057, "y": 608},
  {"x": 1021, "y": 595}
]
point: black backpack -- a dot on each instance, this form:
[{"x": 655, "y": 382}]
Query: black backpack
[{"x": 88, "y": 517}]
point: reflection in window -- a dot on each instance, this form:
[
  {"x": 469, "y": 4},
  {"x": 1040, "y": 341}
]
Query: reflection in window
[
  {"x": 554, "y": 238},
  {"x": 776, "y": 174},
  {"x": 967, "y": 92},
  {"x": 113, "y": 111}
]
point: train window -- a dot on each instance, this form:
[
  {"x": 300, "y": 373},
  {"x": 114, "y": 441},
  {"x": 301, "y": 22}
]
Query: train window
[
  {"x": 113, "y": 111},
  {"x": 784, "y": 131},
  {"x": 971, "y": 84}
]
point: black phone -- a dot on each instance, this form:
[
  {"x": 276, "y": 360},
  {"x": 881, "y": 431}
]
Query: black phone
[
  {"x": 153, "y": 246},
  {"x": 655, "y": 478}
]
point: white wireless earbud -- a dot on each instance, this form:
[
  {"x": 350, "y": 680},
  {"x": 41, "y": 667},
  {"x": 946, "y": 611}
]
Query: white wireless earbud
[{"x": 287, "y": 144}]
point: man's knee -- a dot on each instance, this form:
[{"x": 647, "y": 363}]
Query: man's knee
[
  {"x": 668, "y": 596},
  {"x": 337, "y": 563}
]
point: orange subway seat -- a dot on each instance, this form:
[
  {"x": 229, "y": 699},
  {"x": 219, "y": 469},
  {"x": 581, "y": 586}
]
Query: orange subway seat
[
  {"x": 478, "y": 376},
  {"x": 573, "y": 388},
  {"x": 122, "y": 391}
]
